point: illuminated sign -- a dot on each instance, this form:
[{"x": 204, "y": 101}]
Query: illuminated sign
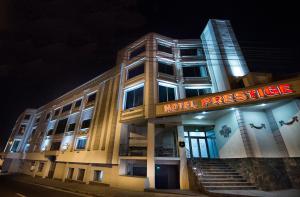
[{"x": 223, "y": 99}]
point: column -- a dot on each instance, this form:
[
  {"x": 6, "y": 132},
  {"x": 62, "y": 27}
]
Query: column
[
  {"x": 184, "y": 179},
  {"x": 151, "y": 154}
]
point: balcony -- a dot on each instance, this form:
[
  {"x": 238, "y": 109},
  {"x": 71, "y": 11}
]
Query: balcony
[
  {"x": 166, "y": 150},
  {"x": 126, "y": 150}
]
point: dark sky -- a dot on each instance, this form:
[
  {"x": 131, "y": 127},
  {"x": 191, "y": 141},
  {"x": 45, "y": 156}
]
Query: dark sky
[{"x": 48, "y": 47}]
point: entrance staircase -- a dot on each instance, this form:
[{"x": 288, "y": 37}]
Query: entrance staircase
[{"x": 215, "y": 174}]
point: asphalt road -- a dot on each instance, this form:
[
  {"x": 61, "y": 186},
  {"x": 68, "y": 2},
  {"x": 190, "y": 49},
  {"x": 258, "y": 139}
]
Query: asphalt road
[{"x": 12, "y": 188}]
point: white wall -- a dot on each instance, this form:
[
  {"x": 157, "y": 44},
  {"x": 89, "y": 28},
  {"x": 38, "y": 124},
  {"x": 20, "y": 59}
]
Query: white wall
[
  {"x": 262, "y": 140},
  {"x": 289, "y": 133},
  {"x": 233, "y": 146}
]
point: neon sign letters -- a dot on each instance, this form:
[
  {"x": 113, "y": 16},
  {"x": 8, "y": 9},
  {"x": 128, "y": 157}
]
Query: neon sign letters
[{"x": 236, "y": 97}]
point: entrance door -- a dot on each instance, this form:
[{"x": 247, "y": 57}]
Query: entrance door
[
  {"x": 166, "y": 176},
  {"x": 200, "y": 143}
]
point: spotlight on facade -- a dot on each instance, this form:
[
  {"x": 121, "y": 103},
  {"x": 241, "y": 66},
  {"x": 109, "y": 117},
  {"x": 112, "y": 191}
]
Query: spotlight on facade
[
  {"x": 263, "y": 104},
  {"x": 233, "y": 108},
  {"x": 199, "y": 117},
  {"x": 204, "y": 112}
]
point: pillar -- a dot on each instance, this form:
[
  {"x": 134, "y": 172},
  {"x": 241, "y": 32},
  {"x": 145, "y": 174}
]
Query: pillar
[
  {"x": 151, "y": 154},
  {"x": 184, "y": 179}
]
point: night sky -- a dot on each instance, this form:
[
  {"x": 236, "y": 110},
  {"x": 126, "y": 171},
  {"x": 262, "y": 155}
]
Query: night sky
[{"x": 48, "y": 47}]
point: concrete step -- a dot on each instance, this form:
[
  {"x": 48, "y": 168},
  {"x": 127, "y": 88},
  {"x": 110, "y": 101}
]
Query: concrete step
[
  {"x": 217, "y": 170},
  {"x": 219, "y": 176},
  {"x": 220, "y": 173},
  {"x": 226, "y": 184},
  {"x": 223, "y": 180},
  {"x": 229, "y": 187}
]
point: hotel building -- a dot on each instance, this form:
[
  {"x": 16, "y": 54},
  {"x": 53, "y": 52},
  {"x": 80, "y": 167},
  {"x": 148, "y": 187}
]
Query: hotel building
[{"x": 171, "y": 113}]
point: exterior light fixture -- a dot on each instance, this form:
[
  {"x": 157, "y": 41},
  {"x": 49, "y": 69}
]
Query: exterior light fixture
[
  {"x": 263, "y": 104},
  {"x": 233, "y": 108},
  {"x": 199, "y": 117},
  {"x": 204, "y": 112}
]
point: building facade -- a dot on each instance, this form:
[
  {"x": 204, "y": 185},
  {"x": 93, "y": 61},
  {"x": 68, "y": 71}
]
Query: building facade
[{"x": 165, "y": 102}]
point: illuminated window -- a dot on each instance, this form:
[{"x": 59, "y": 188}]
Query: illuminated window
[
  {"x": 194, "y": 71},
  {"x": 135, "y": 71},
  {"x": 164, "y": 48},
  {"x": 134, "y": 97},
  {"x": 15, "y": 146},
  {"x": 166, "y": 92},
  {"x": 86, "y": 118},
  {"x": 81, "y": 142},
  {"x": 165, "y": 68},
  {"x": 137, "y": 52},
  {"x": 196, "y": 92},
  {"x": 98, "y": 175}
]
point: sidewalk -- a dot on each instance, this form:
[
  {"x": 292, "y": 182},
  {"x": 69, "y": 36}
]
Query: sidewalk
[
  {"x": 250, "y": 193},
  {"x": 98, "y": 190}
]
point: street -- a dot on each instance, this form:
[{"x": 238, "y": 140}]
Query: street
[{"x": 12, "y": 188}]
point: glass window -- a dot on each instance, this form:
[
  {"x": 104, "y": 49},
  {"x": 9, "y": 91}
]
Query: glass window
[
  {"x": 165, "y": 68},
  {"x": 80, "y": 174},
  {"x": 166, "y": 49},
  {"x": 48, "y": 116},
  {"x": 137, "y": 52},
  {"x": 15, "y": 146},
  {"x": 86, "y": 124},
  {"x": 196, "y": 92},
  {"x": 27, "y": 117},
  {"x": 61, "y": 126},
  {"x": 197, "y": 134},
  {"x": 77, "y": 103},
  {"x": 98, "y": 175},
  {"x": 194, "y": 71},
  {"x": 81, "y": 142},
  {"x": 22, "y": 130},
  {"x": 72, "y": 127},
  {"x": 91, "y": 98},
  {"x": 189, "y": 52},
  {"x": 70, "y": 173},
  {"x": 56, "y": 112},
  {"x": 66, "y": 108},
  {"x": 135, "y": 71},
  {"x": 41, "y": 167},
  {"x": 50, "y": 132},
  {"x": 166, "y": 93},
  {"x": 55, "y": 146},
  {"x": 134, "y": 97}
]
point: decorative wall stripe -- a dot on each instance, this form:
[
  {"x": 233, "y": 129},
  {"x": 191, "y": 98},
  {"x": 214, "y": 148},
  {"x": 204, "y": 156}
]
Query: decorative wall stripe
[
  {"x": 276, "y": 133},
  {"x": 244, "y": 134}
]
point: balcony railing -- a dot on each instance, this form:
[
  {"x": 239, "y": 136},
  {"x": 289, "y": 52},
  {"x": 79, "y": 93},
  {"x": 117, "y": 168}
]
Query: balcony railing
[
  {"x": 166, "y": 150},
  {"x": 126, "y": 150}
]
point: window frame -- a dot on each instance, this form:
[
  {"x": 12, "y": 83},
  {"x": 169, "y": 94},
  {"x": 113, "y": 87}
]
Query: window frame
[
  {"x": 133, "y": 67},
  {"x": 101, "y": 176},
  {"x": 197, "y": 88},
  {"x": 167, "y": 64},
  {"x": 81, "y": 138},
  {"x": 195, "y": 65},
  {"x": 128, "y": 89},
  {"x": 138, "y": 50},
  {"x": 15, "y": 140},
  {"x": 168, "y": 85}
]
